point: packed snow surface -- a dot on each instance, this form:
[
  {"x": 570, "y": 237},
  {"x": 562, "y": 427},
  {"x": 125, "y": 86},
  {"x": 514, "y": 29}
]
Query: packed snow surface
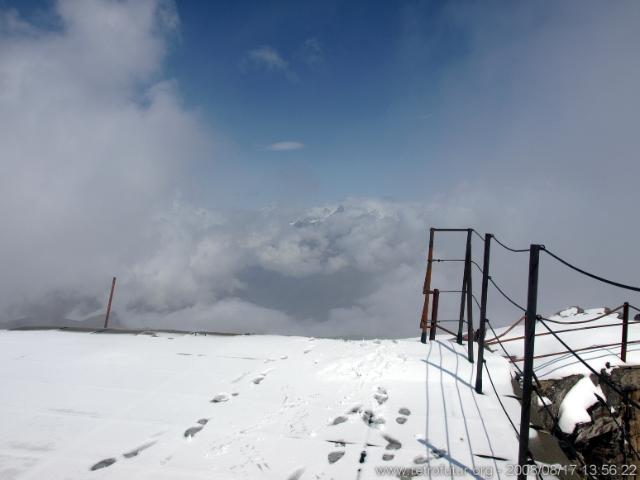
[{"x": 161, "y": 406}]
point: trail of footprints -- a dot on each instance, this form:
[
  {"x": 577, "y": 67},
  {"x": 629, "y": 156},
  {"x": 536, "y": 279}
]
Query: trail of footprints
[
  {"x": 107, "y": 462},
  {"x": 372, "y": 420},
  {"x": 368, "y": 416},
  {"x": 191, "y": 432}
]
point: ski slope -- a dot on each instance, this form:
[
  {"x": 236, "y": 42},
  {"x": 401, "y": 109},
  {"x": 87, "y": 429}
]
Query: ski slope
[{"x": 178, "y": 406}]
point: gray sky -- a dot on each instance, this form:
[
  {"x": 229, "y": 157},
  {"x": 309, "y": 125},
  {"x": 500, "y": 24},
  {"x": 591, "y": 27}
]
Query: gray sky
[{"x": 260, "y": 216}]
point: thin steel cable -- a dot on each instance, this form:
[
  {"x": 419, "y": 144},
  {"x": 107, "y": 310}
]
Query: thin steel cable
[
  {"x": 477, "y": 266},
  {"x": 596, "y": 277},
  {"x": 536, "y": 388},
  {"x": 577, "y": 322},
  {"x": 515, "y": 429},
  {"x": 491, "y": 341},
  {"x": 612, "y": 385},
  {"x": 515, "y": 250},
  {"x": 443, "y": 260},
  {"x": 478, "y": 234},
  {"x": 500, "y": 400},
  {"x": 602, "y": 402},
  {"x": 476, "y": 300},
  {"x": 580, "y": 329},
  {"x": 514, "y": 303},
  {"x": 502, "y": 346}
]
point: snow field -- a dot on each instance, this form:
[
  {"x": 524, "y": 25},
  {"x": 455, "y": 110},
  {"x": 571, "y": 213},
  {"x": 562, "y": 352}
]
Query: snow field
[{"x": 178, "y": 406}]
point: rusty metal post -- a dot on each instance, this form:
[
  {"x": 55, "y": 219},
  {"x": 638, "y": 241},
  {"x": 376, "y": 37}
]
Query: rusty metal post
[
  {"x": 527, "y": 375},
  {"x": 426, "y": 289},
  {"x": 625, "y": 331},
  {"x": 113, "y": 287},
  {"x": 465, "y": 287},
  {"x": 434, "y": 314},
  {"x": 483, "y": 309}
]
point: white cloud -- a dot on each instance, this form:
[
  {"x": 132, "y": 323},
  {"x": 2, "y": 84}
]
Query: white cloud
[
  {"x": 311, "y": 52},
  {"x": 268, "y": 58},
  {"x": 285, "y": 146},
  {"x": 93, "y": 142},
  {"x": 292, "y": 270},
  {"x": 93, "y": 146}
]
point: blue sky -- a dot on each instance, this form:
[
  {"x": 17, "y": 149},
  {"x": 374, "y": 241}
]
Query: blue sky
[
  {"x": 364, "y": 100},
  {"x": 400, "y": 100}
]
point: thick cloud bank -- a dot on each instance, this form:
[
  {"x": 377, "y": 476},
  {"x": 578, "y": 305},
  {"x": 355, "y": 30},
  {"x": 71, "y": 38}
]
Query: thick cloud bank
[
  {"x": 95, "y": 148},
  {"x": 91, "y": 140}
]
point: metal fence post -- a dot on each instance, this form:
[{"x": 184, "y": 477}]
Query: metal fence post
[
  {"x": 434, "y": 314},
  {"x": 527, "y": 376},
  {"x": 426, "y": 289},
  {"x": 106, "y": 318},
  {"x": 465, "y": 287},
  {"x": 625, "y": 329},
  {"x": 470, "y": 332},
  {"x": 483, "y": 309}
]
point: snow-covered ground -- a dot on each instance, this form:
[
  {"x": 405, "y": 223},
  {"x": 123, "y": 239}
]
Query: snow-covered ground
[
  {"x": 558, "y": 366},
  {"x": 601, "y": 331},
  {"x": 178, "y": 406}
]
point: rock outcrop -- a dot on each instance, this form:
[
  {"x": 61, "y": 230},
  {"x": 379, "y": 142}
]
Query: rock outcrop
[{"x": 611, "y": 436}]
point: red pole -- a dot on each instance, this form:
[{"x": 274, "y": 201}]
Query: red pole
[
  {"x": 113, "y": 287},
  {"x": 625, "y": 327},
  {"x": 426, "y": 289}
]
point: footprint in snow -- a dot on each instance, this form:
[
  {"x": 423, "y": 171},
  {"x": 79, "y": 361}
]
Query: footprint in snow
[
  {"x": 404, "y": 413},
  {"x": 333, "y": 457},
  {"x": 371, "y": 419},
  {"x": 420, "y": 460},
  {"x": 107, "y": 462},
  {"x": 221, "y": 397},
  {"x": 381, "y": 395},
  {"x": 392, "y": 443},
  {"x": 388, "y": 456},
  {"x": 339, "y": 420},
  {"x": 136, "y": 451},
  {"x": 192, "y": 431},
  {"x": 261, "y": 377}
]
